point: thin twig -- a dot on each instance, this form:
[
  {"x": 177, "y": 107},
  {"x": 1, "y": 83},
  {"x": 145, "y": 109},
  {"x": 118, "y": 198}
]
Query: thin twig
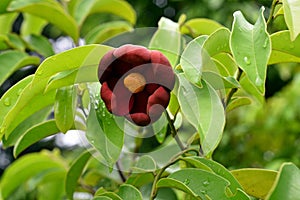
[
  {"x": 174, "y": 132},
  {"x": 119, "y": 169},
  {"x": 274, "y": 3}
]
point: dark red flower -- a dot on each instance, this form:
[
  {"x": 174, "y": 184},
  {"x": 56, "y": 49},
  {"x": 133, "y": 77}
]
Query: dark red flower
[{"x": 136, "y": 83}]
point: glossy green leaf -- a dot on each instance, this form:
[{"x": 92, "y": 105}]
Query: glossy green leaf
[
  {"x": 200, "y": 26},
  {"x": 160, "y": 128},
  {"x": 203, "y": 108},
  {"x": 166, "y": 193},
  {"x": 3, "y": 6},
  {"x": 32, "y": 25},
  {"x": 248, "y": 87},
  {"x": 237, "y": 102},
  {"x": 14, "y": 60},
  {"x": 75, "y": 172},
  {"x": 140, "y": 179},
  {"x": 106, "y": 31},
  {"x": 129, "y": 192},
  {"x": 145, "y": 164},
  {"x": 103, "y": 132},
  {"x": 225, "y": 64},
  {"x": 287, "y": 183},
  {"x": 292, "y": 15},
  {"x": 83, "y": 8},
  {"x": 25, "y": 168},
  {"x": 283, "y": 49},
  {"x": 167, "y": 39},
  {"x": 35, "y": 134},
  {"x": 102, "y": 198},
  {"x": 251, "y": 48},
  {"x": 34, "y": 98},
  {"x": 15, "y": 42},
  {"x": 218, "y": 42},
  {"x": 200, "y": 184},
  {"x": 27, "y": 124},
  {"x": 6, "y": 21},
  {"x": 39, "y": 44},
  {"x": 51, "y": 190},
  {"x": 49, "y": 10},
  {"x": 65, "y": 107},
  {"x": 218, "y": 82},
  {"x": 192, "y": 62},
  {"x": 256, "y": 182},
  {"x": 101, "y": 192}
]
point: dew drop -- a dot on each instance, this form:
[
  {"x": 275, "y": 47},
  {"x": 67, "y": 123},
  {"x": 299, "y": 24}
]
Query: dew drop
[
  {"x": 92, "y": 141},
  {"x": 265, "y": 43},
  {"x": 203, "y": 191},
  {"x": 186, "y": 181},
  {"x": 247, "y": 60},
  {"x": 258, "y": 81},
  {"x": 7, "y": 101},
  {"x": 205, "y": 183}
]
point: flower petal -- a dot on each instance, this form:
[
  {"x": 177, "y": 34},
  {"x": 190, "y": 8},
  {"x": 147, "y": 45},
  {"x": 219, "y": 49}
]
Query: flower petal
[
  {"x": 106, "y": 95},
  {"x": 140, "y": 119},
  {"x": 133, "y": 54},
  {"x": 104, "y": 68},
  {"x": 140, "y": 102},
  {"x": 161, "y": 97},
  {"x": 163, "y": 72}
]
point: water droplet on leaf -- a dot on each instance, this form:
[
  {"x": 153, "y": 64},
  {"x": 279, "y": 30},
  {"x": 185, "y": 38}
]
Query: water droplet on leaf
[
  {"x": 203, "y": 191},
  {"x": 7, "y": 101},
  {"x": 258, "y": 81},
  {"x": 186, "y": 181},
  {"x": 265, "y": 43},
  {"x": 247, "y": 60},
  {"x": 205, "y": 183}
]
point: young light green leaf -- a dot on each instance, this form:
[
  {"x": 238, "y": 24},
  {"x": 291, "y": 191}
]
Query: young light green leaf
[
  {"x": 3, "y": 6},
  {"x": 64, "y": 107},
  {"x": 34, "y": 134},
  {"x": 256, "y": 182},
  {"x": 203, "y": 108},
  {"x": 15, "y": 42},
  {"x": 32, "y": 25},
  {"x": 283, "y": 49},
  {"x": 6, "y": 21},
  {"x": 192, "y": 62},
  {"x": 237, "y": 102},
  {"x": 25, "y": 168},
  {"x": 83, "y": 8},
  {"x": 167, "y": 39},
  {"x": 145, "y": 164},
  {"x": 12, "y": 61},
  {"x": 292, "y": 15},
  {"x": 287, "y": 183},
  {"x": 200, "y": 26},
  {"x": 103, "y": 132},
  {"x": 106, "y": 31},
  {"x": 75, "y": 172},
  {"x": 218, "y": 42},
  {"x": 129, "y": 192},
  {"x": 225, "y": 64},
  {"x": 49, "y": 10},
  {"x": 251, "y": 48},
  {"x": 39, "y": 44}
]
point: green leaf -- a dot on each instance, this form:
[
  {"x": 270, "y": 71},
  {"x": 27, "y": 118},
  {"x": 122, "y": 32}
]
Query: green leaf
[
  {"x": 34, "y": 98},
  {"x": 15, "y": 42},
  {"x": 75, "y": 172},
  {"x": 160, "y": 128},
  {"x": 39, "y": 44},
  {"x": 14, "y": 60},
  {"x": 200, "y": 26},
  {"x": 287, "y": 183},
  {"x": 64, "y": 107},
  {"x": 106, "y": 31},
  {"x": 251, "y": 48},
  {"x": 166, "y": 193},
  {"x": 283, "y": 49},
  {"x": 25, "y": 168},
  {"x": 256, "y": 182},
  {"x": 32, "y": 25},
  {"x": 27, "y": 124},
  {"x": 200, "y": 183},
  {"x": 3, "y": 6},
  {"x": 167, "y": 39},
  {"x": 129, "y": 192},
  {"x": 237, "y": 102},
  {"x": 291, "y": 15},
  {"x": 249, "y": 88},
  {"x": 192, "y": 60},
  {"x": 218, "y": 42},
  {"x": 145, "y": 164},
  {"x": 83, "y": 8},
  {"x": 35, "y": 134},
  {"x": 140, "y": 179},
  {"x": 6, "y": 21},
  {"x": 103, "y": 131},
  {"x": 225, "y": 64},
  {"x": 49, "y": 10},
  {"x": 203, "y": 108}
]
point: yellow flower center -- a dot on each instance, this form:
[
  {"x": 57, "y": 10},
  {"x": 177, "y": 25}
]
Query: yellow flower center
[{"x": 135, "y": 82}]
